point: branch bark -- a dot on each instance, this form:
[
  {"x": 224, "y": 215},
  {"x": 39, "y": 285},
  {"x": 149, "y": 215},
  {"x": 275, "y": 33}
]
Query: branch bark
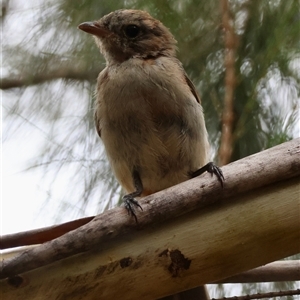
[{"x": 177, "y": 245}]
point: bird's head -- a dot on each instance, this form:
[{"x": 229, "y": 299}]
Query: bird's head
[{"x": 124, "y": 34}]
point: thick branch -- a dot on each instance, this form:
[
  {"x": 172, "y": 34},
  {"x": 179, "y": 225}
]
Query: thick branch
[
  {"x": 269, "y": 166},
  {"x": 178, "y": 245}
]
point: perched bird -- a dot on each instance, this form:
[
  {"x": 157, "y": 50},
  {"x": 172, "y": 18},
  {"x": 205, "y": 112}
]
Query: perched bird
[{"x": 148, "y": 113}]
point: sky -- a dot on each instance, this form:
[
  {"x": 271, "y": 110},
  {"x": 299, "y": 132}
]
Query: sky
[
  {"x": 22, "y": 208},
  {"x": 25, "y": 201},
  {"x": 17, "y": 214}
]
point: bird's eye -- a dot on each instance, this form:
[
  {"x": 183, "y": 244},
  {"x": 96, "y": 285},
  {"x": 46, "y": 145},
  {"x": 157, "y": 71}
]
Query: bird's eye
[{"x": 132, "y": 31}]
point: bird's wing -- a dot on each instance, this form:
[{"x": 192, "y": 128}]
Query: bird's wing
[
  {"x": 192, "y": 88},
  {"x": 97, "y": 123}
]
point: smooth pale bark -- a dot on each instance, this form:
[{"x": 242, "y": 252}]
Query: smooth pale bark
[{"x": 181, "y": 242}]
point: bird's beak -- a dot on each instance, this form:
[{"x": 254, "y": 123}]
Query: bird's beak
[{"x": 94, "y": 28}]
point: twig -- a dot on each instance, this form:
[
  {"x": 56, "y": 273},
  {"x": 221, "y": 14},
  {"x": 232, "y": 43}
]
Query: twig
[{"x": 262, "y": 295}]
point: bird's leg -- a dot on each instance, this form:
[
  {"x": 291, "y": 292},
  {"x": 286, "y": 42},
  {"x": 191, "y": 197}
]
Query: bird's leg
[
  {"x": 212, "y": 169},
  {"x": 129, "y": 200}
]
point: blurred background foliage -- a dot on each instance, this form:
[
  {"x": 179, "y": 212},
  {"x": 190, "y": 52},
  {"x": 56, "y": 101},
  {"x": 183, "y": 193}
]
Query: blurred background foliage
[{"x": 49, "y": 71}]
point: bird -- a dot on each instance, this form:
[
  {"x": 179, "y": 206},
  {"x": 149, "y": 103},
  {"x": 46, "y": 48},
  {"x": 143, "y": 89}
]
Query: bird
[{"x": 147, "y": 110}]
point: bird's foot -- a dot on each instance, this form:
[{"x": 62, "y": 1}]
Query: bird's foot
[
  {"x": 212, "y": 169},
  {"x": 131, "y": 204}
]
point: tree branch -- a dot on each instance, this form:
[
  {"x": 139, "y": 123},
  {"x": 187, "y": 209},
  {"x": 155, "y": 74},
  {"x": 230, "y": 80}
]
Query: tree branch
[
  {"x": 254, "y": 220},
  {"x": 42, "y": 235},
  {"x": 262, "y": 295},
  {"x": 286, "y": 270},
  {"x": 63, "y": 72}
]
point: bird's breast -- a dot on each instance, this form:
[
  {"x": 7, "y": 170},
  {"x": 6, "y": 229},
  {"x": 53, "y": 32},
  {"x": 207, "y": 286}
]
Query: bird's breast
[{"x": 150, "y": 121}]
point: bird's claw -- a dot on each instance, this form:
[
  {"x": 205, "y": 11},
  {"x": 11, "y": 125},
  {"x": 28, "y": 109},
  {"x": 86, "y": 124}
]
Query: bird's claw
[
  {"x": 130, "y": 204},
  {"x": 213, "y": 169}
]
